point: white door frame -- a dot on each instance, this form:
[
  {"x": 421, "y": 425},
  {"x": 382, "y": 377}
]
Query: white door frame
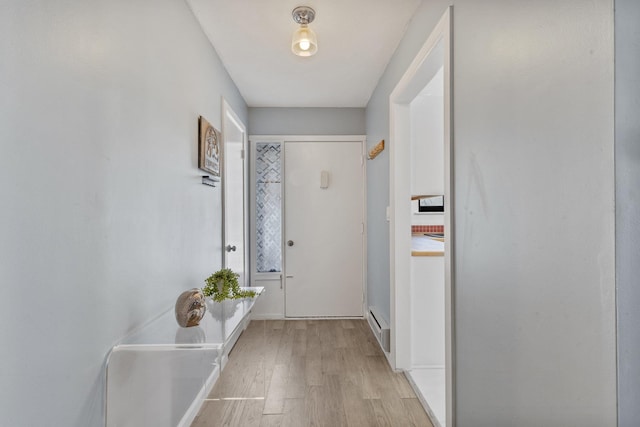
[
  {"x": 227, "y": 112},
  {"x": 283, "y": 139},
  {"x": 411, "y": 83}
]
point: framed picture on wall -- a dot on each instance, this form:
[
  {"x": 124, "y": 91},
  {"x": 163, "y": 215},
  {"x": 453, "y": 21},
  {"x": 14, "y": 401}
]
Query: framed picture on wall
[{"x": 209, "y": 152}]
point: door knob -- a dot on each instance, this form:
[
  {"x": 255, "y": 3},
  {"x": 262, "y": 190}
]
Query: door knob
[
  {"x": 290, "y": 243},
  {"x": 231, "y": 248}
]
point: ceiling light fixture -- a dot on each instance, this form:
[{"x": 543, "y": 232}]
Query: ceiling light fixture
[{"x": 304, "y": 41}]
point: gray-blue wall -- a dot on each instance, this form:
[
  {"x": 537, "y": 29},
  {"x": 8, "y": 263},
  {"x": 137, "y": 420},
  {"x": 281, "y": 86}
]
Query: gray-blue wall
[
  {"x": 534, "y": 287},
  {"x": 104, "y": 221},
  {"x": 422, "y": 23},
  {"x": 627, "y": 36},
  {"x": 306, "y": 121}
]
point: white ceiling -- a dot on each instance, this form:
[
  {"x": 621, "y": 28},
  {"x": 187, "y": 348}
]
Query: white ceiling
[{"x": 356, "y": 39}]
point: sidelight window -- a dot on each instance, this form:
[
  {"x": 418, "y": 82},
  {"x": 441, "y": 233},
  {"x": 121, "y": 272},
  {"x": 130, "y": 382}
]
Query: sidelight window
[{"x": 268, "y": 207}]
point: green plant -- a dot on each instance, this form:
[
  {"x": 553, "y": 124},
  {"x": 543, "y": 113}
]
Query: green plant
[{"x": 223, "y": 284}]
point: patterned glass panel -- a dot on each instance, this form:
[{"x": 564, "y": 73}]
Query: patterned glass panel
[{"x": 269, "y": 208}]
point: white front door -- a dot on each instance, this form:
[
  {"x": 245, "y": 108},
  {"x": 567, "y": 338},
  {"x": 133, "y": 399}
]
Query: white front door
[
  {"x": 233, "y": 184},
  {"x": 324, "y": 229}
]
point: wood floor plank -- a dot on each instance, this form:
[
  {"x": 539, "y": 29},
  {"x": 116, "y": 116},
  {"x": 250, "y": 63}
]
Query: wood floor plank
[
  {"x": 331, "y": 405},
  {"x": 230, "y": 413},
  {"x": 352, "y": 336},
  {"x": 239, "y": 382},
  {"x": 394, "y": 410},
  {"x": 348, "y": 323},
  {"x": 415, "y": 412},
  {"x": 210, "y": 413},
  {"x": 402, "y": 386},
  {"x": 312, "y": 401},
  {"x": 277, "y": 324},
  {"x": 300, "y": 324},
  {"x": 339, "y": 339},
  {"x": 269, "y": 353},
  {"x": 352, "y": 368},
  {"x": 314, "y": 344},
  {"x": 299, "y": 345},
  {"x": 313, "y": 369},
  {"x": 274, "y": 402},
  {"x": 332, "y": 363},
  {"x": 250, "y": 414},
  {"x": 294, "y": 415},
  {"x": 379, "y": 414},
  {"x": 272, "y": 420},
  {"x": 358, "y": 411},
  {"x": 296, "y": 384}
]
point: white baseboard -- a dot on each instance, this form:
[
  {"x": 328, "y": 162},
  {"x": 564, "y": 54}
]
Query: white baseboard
[
  {"x": 267, "y": 316},
  {"x": 282, "y": 317}
]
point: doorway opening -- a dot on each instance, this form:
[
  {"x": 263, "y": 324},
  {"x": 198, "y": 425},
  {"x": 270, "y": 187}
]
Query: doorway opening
[{"x": 422, "y": 287}]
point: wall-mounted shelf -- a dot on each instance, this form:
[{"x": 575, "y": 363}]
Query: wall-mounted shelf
[
  {"x": 160, "y": 374},
  {"x": 210, "y": 181}
]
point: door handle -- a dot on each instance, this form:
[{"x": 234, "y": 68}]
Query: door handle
[
  {"x": 231, "y": 248},
  {"x": 290, "y": 243},
  {"x": 289, "y": 277}
]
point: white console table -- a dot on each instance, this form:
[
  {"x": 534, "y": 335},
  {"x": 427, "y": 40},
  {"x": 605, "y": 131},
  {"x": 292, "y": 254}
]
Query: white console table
[{"x": 160, "y": 374}]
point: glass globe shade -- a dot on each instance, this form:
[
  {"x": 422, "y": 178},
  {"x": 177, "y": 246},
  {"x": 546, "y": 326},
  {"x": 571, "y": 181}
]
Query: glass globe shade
[{"x": 304, "y": 42}]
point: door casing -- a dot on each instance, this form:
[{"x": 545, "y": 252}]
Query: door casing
[
  {"x": 411, "y": 83},
  {"x": 273, "y": 307},
  {"x": 231, "y": 119}
]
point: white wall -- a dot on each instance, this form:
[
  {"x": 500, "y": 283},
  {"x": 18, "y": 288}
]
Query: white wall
[
  {"x": 427, "y": 138},
  {"x": 104, "y": 220},
  {"x": 627, "y": 16},
  {"x": 533, "y": 132},
  {"x": 306, "y": 121},
  {"x": 427, "y": 312}
]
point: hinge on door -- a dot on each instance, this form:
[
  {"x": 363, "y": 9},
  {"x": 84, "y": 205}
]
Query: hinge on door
[
  {"x": 361, "y": 160},
  {"x": 242, "y": 153},
  {"x": 362, "y": 228}
]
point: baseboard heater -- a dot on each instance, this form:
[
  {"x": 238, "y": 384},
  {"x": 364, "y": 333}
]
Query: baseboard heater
[{"x": 380, "y": 329}]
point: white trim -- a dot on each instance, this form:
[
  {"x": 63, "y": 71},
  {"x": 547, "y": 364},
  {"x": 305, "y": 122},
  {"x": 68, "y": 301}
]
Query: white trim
[
  {"x": 308, "y": 138},
  {"x": 400, "y": 212},
  {"x": 268, "y": 316},
  {"x": 449, "y": 206},
  {"x": 365, "y": 225},
  {"x": 255, "y": 276},
  {"x": 283, "y": 251},
  {"x": 227, "y": 111},
  {"x": 278, "y": 317}
]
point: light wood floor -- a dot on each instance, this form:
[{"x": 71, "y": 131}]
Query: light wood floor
[{"x": 310, "y": 373}]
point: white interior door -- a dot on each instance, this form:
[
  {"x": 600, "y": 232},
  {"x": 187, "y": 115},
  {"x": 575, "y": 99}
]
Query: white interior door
[
  {"x": 324, "y": 229},
  {"x": 234, "y": 193}
]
